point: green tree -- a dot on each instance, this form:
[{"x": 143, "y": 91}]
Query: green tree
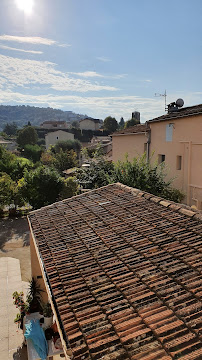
[
  {"x": 65, "y": 145},
  {"x": 10, "y": 129},
  {"x": 65, "y": 160},
  {"x": 110, "y": 124},
  {"x": 7, "y": 188},
  {"x": 121, "y": 123},
  {"x": 41, "y": 186},
  {"x": 70, "y": 188},
  {"x": 9, "y": 193},
  {"x": 131, "y": 122},
  {"x": 145, "y": 176},
  {"x": 27, "y": 135},
  {"x": 33, "y": 152},
  {"x": 96, "y": 175}
]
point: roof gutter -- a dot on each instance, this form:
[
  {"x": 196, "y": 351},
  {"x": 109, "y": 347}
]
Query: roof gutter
[
  {"x": 133, "y": 133},
  {"x": 67, "y": 351}
]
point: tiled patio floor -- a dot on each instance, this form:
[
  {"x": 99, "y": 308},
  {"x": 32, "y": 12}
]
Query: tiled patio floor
[{"x": 11, "y": 339}]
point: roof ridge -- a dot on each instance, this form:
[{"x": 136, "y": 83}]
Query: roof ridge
[{"x": 177, "y": 207}]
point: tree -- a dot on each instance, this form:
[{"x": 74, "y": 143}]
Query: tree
[
  {"x": 13, "y": 165},
  {"x": 65, "y": 160},
  {"x": 75, "y": 124},
  {"x": 96, "y": 175},
  {"x": 65, "y": 145},
  {"x": 121, "y": 123},
  {"x": 70, "y": 188},
  {"x": 145, "y": 176},
  {"x": 7, "y": 188},
  {"x": 110, "y": 124},
  {"x": 33, "y": 152},
  {"x": 27, "y": 135},
  {"x": 41, "y": 186},
  {"x": 131, "y": 122},
  {"x": 10, "y": 129}
]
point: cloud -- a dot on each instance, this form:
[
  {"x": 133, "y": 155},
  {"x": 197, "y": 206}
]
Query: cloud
[
  {"x": 31, "y": 40},
  {"x": 87, "y": 74},
  {"x": 102, "y": 58},
  {"x": 93, "y": 74},
  {"x": 15, "y": 49},
  {"x": 100, "y": 107},
  {"x": 96, "y": 106},
  {"x": 15, "y": 72}
]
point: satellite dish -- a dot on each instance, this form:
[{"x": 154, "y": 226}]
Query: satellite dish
[{"x": 180, "y": 102}]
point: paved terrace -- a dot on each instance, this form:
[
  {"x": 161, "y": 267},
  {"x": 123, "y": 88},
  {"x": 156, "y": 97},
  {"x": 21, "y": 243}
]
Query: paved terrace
[{"x": 124, "y": 268}]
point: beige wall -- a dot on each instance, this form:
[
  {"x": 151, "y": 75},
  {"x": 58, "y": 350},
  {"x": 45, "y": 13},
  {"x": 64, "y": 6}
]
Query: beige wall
[
  {"x": 132, "y": 144},
  {"x": 36, "y": 270},
  {"x": 89, "y": 125},
  {"x": 187, "y": 143},
  {"x": 55, "y": 136}
]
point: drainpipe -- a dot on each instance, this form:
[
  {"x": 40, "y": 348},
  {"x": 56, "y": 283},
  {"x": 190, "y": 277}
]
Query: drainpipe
[
  {"x": 148, "y": 133},
  {"x": 189, "y": 173}
]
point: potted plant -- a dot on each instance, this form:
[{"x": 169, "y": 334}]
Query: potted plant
[
  {"x": 30, "y": 305},
  {"x": 48, "y": 315},
  {"x": 22, "y": 306},
  {"x": 34, "y": 296}
]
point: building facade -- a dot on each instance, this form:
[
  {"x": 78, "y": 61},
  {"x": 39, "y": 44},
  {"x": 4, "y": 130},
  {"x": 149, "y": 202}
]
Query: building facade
[
  {"x": 174, "y": 138},
  {"x": 89, "y": 124},
  {"x": 53, "y": 137}
]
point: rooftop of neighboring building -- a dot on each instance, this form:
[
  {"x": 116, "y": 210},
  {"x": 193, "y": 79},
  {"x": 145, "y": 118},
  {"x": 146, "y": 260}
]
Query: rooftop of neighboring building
[
  {"x": 124, "y": 268},
  {"x": 136, "y": 129},
  {"x": 180, "y": 113},
  {"x": 91, "y": 119}
]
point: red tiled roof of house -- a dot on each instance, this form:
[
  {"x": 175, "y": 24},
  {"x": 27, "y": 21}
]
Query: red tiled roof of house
[
  {"x": 136, "y": 129},
  {"x": 180, "y": 113},
  {"x": 124, "y": 268}
]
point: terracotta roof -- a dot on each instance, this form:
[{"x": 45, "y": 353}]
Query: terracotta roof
[
  {"x": 124, "y": 268},
  {"x": 91, "y": 119},
  {"x": 54, "y": 122},
  {"x": 136, "y": 129},
  {"x": 180, "y": 113}
]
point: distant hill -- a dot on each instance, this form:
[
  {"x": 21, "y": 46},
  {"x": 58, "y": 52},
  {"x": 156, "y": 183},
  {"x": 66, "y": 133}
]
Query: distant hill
[{"x": 22, "y": 114}]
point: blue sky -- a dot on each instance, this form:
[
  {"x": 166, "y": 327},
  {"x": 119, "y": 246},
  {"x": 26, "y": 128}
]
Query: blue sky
[{"x": 101, "y": 57}]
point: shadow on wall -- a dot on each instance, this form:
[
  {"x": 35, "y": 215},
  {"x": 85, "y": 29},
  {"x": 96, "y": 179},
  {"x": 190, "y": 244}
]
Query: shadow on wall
[{"x": 14, "y": 230}]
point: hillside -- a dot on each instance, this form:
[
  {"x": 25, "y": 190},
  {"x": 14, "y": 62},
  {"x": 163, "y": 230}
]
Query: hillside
[{"x": 22, "y": 114}]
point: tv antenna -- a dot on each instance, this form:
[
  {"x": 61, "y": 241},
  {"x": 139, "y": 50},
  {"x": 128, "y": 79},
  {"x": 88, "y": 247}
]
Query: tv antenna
[{"x": 164, "y": 95}]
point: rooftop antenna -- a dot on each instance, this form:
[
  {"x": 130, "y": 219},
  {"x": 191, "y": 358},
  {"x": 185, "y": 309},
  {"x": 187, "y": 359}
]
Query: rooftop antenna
[{"x": 156, "y": 94}]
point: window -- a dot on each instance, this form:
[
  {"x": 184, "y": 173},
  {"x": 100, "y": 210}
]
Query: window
[
  {"x": 169, "y": 132},
  {"x": 161, "y": 158},
  {"x": 57, "y": 137},
  {"x": 145, "y": 147},
  {"x": 179, "y": 162}
]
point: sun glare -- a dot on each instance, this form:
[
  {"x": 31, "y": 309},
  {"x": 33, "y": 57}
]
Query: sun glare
[{"x": 25, "y": 5}]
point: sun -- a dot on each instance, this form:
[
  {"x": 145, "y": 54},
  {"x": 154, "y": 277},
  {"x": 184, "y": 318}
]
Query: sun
[{"x": 25, "y": 5}]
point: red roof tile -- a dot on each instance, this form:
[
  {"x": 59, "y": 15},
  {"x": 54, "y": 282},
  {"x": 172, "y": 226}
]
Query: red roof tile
[
  {"x": 125, "y": 274},
  {"x": 180, "y": 113},
  {"x": 136, "y": 129}
]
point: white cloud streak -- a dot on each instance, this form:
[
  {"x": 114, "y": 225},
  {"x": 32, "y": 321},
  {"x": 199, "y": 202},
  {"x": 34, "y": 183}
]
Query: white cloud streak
[
  {"x": 102, "y": 58},
  {"x": 15, "y": 72},
  {"x": 31, "y": 40},
  {"x": 94, "y": 74},
  {"x": 21, "y": 50}
]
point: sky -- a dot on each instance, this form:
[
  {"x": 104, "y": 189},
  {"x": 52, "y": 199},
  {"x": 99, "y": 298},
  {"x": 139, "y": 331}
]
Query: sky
[{"x": 101, "y": 57}]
